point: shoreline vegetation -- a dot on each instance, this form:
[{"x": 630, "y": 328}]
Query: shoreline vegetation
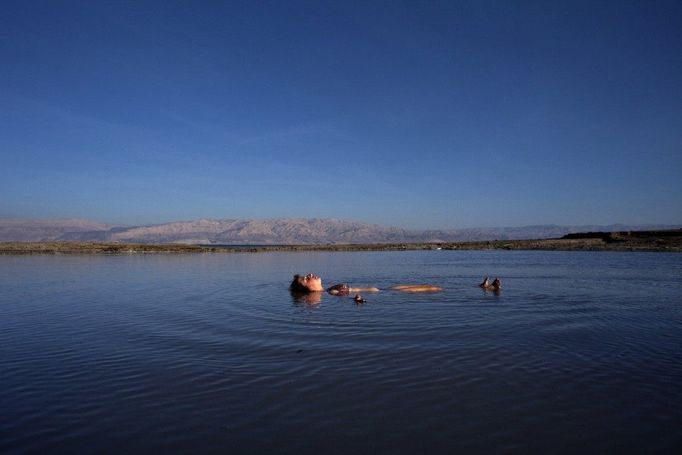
[{"x": 656, "y": 241}]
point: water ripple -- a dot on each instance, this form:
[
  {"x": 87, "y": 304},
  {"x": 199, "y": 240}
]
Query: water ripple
[{"x": 211, "y": 353}]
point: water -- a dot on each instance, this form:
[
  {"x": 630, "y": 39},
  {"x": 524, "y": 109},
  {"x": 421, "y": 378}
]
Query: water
[{"x": 580, "y": 352}]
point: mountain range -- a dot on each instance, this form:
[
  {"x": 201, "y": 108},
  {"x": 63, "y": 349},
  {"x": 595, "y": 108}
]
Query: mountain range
[{"x": 278, "y": 231}]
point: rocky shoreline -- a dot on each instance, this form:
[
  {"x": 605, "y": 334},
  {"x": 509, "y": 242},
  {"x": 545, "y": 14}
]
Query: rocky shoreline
[{"x": 659, "y": 241}]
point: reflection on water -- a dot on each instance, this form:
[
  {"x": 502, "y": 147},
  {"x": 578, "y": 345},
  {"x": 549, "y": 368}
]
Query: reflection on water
[
  {"x": 577, "y": 352},
  {"x": 307, "y": 298}
]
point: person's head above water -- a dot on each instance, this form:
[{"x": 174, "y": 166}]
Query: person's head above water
[{"x": 307, "y": 283}]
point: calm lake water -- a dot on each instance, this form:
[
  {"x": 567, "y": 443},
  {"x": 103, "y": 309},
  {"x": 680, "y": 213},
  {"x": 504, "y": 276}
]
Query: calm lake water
[{"x": 580, "y": 352}]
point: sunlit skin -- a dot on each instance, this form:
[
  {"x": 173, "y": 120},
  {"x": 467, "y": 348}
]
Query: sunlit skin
[
  {"x": 307, "y": 283},
  {"x": 415, "y": 288},
  {"x": 345, "y": 289},
  {"x": 311, "y": 283}
]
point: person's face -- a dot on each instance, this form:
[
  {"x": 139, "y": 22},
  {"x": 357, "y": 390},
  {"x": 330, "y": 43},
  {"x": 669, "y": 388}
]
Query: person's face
[{"x": 311, "y": 282}]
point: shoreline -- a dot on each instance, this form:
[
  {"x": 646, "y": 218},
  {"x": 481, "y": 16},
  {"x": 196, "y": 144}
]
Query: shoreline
[{"x": 650, "y": 241}]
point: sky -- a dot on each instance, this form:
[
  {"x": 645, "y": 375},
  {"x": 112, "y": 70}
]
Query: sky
[{"x": 416, "y": 114}]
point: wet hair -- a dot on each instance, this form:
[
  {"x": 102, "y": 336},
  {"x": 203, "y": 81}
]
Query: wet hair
[{"x": 296, "y": 286}]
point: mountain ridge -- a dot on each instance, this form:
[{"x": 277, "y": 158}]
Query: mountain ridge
[{"x": 278, "y": 231}]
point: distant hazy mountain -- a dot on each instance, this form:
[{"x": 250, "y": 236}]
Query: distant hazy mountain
[
  {"x": 19, "y": 230},
  {"x": 272, "y": 231},
  {"x": 276, "y": 231}
]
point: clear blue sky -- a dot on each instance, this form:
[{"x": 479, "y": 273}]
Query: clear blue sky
[{"x": 412, "y": 114}]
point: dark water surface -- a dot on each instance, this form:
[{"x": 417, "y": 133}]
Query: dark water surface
[{"x": 580, "y": 352}]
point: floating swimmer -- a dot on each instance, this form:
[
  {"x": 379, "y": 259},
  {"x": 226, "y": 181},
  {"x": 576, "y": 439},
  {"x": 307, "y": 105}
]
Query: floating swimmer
[{"x": 313, "y": 283}]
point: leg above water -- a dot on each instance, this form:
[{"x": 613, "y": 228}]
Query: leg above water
[{"x": 417, "y": 288}]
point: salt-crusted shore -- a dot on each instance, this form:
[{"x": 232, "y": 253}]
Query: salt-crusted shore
[{"x": 663, "y": 241}]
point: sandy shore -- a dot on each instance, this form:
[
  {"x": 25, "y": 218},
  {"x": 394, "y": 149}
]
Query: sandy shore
[{"x": 668, "y": 241}]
